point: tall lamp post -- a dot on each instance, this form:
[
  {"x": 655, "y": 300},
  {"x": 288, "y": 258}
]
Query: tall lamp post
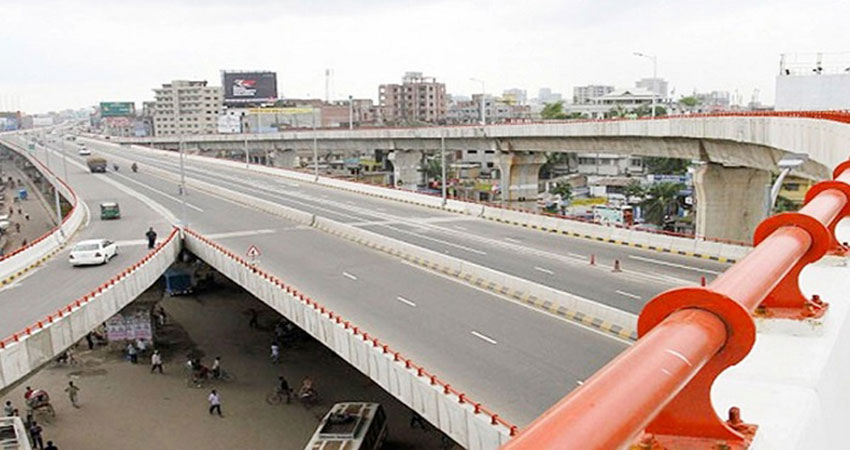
[
  {"x": 483, "y": 113},
  {"x": 654, "y": 77},
  {"x": 350, "y": 112}
]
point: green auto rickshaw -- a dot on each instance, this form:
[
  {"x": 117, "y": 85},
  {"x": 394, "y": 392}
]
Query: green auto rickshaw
[{"x": 109, "y": 210}]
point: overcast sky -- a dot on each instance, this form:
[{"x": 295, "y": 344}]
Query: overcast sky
[{"x": 75, "y": 53}]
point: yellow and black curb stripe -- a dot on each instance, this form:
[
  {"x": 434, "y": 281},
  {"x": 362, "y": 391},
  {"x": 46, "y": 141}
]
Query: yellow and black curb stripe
[{"x": 491, "y": 286}]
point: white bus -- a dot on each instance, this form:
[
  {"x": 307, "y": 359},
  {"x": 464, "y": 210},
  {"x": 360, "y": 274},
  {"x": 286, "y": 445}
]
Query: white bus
[{"x": 351, "y": 426}]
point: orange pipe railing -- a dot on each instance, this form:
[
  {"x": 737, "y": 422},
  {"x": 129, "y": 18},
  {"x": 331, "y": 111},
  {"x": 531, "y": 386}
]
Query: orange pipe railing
[{"x": 661, "y": 385}]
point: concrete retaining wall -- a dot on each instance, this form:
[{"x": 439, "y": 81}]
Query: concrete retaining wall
[
  {"x": 38, "y": 251},
  {"x": 40, "y": 343},
  {"x": 453, "y": 413}
]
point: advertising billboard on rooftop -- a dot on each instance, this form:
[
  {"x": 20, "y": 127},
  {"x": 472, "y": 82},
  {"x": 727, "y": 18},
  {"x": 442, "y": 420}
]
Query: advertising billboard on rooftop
[{"x": 249, "y": 87}]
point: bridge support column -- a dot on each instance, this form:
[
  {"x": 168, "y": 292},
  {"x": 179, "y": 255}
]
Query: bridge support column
[
  {"x": 730, "y": 201},
  {"x": 519, "y": 175},
  {"x": 407, "y": 168},
  {"x": 286, "y": 159}
]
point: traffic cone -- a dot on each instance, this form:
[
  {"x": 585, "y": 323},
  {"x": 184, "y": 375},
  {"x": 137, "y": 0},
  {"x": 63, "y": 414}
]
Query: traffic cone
[
  {"x": 592, "y": 259},
  {"x": 702, "y": 280},
  {"x": 616, "y": 266}
]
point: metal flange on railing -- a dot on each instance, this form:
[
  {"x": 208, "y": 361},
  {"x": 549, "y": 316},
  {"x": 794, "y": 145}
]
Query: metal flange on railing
[{"x": 656, "y": 394}]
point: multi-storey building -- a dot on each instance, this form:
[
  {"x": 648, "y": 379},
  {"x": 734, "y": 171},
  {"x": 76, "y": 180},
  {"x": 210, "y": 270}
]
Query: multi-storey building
[
  {"x": 657, "y": 85},
  {"x": 583, "y": 95},
  {"x": 187, "y": 107},
  {"x": 416, "y": 99},
  {"x": 497, "y": 110}
]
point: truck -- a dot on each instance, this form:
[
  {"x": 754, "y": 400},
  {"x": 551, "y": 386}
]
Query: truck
[{"x": 96, "y": 164}]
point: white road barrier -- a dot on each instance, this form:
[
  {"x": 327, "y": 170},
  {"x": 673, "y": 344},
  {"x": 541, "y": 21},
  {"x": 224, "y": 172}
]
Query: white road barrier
[
  {"x": 469, "y": 424},
  {"x": 22, "y": 260},
  {"x": 29, "y": 349}
]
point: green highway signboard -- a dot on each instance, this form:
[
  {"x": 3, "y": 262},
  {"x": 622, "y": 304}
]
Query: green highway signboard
[{"x": 117, "y": 109}]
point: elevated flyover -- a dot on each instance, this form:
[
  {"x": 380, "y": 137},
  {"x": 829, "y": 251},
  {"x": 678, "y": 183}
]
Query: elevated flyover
[{"x": 740, "y": 152}]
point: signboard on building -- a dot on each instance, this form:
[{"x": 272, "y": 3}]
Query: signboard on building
[
  {"x": 117, "y": 109},
  {"x": 132, "y": 326},
  {"x": 249, "y": 87}
]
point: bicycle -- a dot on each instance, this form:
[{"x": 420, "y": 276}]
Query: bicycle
[{"x": 276, "y": 397}]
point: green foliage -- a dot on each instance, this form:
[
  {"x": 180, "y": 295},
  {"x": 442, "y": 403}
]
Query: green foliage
[
  {"x": 634, "y": 189},
  {"x": 690, "y": 101},
  {"x": 433, "y": 169},
  {"x": 667, "y": 166},
  {"x": 784, "y": 205},
  {"x": 553, "y": 111},
  {"x": 564, "y": 190},
  {"x": 660, "y": 201}
]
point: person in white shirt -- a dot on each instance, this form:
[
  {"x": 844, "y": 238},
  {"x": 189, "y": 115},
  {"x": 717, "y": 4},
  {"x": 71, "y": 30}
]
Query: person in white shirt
[
  {"x": 156, "y": 361},
  {"x": 215, "y": 402},
  {"x": 216, "y": 367}
]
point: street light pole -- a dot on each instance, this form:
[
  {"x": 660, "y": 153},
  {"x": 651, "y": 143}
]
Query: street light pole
[
  {"x": 350, "y": 112},
  {"x": 180, "y": 145},
  {"x": 315, "y": 149},
  {"x": 654, "y": 77},
  {"x": 483, "y": 110},
  {"x": 443, "y": 164}
]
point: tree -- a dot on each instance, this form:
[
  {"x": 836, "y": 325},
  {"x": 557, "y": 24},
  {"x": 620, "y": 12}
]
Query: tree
[
  {"x": 553, "y": 111},
  {"x": 667, "y": 166},
  {"x": 433, "y": 169},
  {"x": 564, "y": 190},
  {"x": 634, "y": 189},
  {"x": 660, "y": 201},
  {"x": 689, "y": 101}
]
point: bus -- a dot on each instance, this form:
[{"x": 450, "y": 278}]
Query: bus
[{"x": 351, "y": 426}]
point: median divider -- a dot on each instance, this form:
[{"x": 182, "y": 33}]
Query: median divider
[
  {"x": 39, "y": 343},
  {"x": 467, "y": 422},
  {"x": 20, "y": 261}
]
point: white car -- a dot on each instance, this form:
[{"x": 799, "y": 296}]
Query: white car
[
  {"x": 92, "y": 251},
  {"x": 84, "y": 151}
]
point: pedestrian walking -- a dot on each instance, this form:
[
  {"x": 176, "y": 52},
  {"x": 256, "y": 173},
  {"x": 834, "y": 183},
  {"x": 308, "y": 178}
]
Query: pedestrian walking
[
  {"x": 89, "y": 340},
  {"x": 8, "y": 410},
  {"x": 27, "y": 216},
  {"x": 253, "y": 323},
  {"x": 156, "y": 361},
  {"x": 215, "y": 402},
  {"x": 132, "y": 353},
  {"x": 283, "y": 388},
  {"x": 151, "y": 235},
  {"x": 275, "y": 353},
  {"x": 216, "y": 367},
  {"x": 17, "y": 227},
  {"x": 11, "y": 211},
  {"x": 20, "y": 211},
  {"x": 72, "y": 391},
  {"x": 50, "y": 446},
  {"x": 35, "y": 434}
]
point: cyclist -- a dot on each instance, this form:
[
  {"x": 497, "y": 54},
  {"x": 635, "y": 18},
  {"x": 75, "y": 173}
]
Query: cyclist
[{"x": 307, "y": 392}]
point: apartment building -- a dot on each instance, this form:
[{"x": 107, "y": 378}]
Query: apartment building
[
  {"x": 187, "y": 107},
  {"x": 583, "y": 95},
  {"x": 416, "y": 99}
]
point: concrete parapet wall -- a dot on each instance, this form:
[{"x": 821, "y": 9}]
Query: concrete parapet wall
[
  {"x": 468, "y": 423},
  {"x": 37, "y": 252},
  {"x": 37, "y": 345}
]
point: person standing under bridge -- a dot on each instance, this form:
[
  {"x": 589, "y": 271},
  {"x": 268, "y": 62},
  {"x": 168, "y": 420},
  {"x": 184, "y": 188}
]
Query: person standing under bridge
[{"x": 151, "y": 235}]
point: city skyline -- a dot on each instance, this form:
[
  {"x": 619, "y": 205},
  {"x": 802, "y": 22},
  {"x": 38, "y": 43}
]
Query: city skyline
[{"x": 84, "y": 53}]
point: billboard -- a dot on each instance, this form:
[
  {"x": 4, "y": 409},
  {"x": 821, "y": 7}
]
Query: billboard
[
  {"x": 249, "y": 87},
  {"x": 117, "y": 109}
]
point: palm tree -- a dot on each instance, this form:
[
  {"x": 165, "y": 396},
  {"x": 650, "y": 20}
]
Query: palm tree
[
  {"x": 634, "y": 189},
  {"x": 660, "y": 201}
]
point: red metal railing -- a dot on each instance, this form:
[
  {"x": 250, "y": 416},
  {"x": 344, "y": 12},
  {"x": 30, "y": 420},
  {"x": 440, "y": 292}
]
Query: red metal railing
[
  {"x": 447, "y": 389},
  {"x": 15, "y": 337},
  {"x": 661, "y": 385}
]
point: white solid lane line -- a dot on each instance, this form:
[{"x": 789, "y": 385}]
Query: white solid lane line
[
  {"x": 541, "y": 269},
  {"x": 482, "y": 337},
  {"x": 670, "y": 264},
  {"x": 406, "y": 301},
  {"x": 458, "y": 227},
  {"x": 171, "y": 197},
  {"x": 576, "y": 255},
  {"x": 349, "y": 276},
  {"x": 515, "y": 241},
  {"x": 628, "y": 294}
]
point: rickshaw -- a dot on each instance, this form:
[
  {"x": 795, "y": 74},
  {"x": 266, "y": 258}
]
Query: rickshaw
[
  {"x": 39, "y": 402},
  {"x": 109, "y": 210}
]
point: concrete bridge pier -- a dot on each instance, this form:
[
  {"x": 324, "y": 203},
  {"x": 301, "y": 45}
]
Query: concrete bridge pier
[
  {"x": 729, "y": 200},
  {"x": 287, "y": 158},
  {"x": 519, "y": 173},
  {"x": 407, "y": 168}
]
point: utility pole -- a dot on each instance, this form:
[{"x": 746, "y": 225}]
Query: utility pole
[
  {"x": 315, "y": 149},
  {"x": 181, "y": 146}
]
